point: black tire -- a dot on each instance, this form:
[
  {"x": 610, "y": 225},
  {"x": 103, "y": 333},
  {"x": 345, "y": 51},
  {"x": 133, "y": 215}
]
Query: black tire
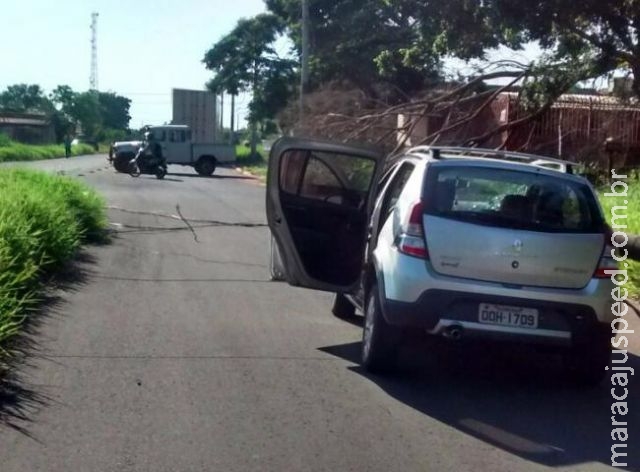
[
  {"x": 206, "y": 166},
  {"x": 134, "y": 169},
  {"x": 380, "y": 340},
  {"x": 161, "y": 171},
  {"x": 586, "y": 362},
  {"x": 343, "y": 308}
]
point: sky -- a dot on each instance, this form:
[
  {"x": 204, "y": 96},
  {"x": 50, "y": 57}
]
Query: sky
[{"x": 145, "y": 47}]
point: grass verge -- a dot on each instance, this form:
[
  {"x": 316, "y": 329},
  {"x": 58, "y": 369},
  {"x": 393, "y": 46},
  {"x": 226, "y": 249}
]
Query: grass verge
[
  {"x": 43, "y": 221},
  {"x": 13, "y": 151},
  {"x": 254, "y": 165},
  {"x": 632, "y": 221}
]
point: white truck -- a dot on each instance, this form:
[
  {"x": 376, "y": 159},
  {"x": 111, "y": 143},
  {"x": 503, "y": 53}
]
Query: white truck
[{"x": 177, "y": 148}]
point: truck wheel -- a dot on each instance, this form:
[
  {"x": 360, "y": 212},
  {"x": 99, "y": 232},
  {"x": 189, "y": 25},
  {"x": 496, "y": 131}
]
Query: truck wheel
[
  {"x": 206, "y": 166},
  {"x": 380, "y": 340}
]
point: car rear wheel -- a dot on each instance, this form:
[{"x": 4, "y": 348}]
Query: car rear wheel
[
  {"x": 121, "y": 162},
  {"x": 586, "y": 362},
  {"x": 343, "y": 308},
  {"x": 380, "y": 340}
]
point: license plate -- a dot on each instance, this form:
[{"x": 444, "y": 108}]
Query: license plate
[{"x": 513, "y": 316}]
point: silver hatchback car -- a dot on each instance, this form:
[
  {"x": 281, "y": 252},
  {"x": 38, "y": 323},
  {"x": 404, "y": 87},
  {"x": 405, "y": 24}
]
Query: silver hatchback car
[{"x": 458, "y": 242}]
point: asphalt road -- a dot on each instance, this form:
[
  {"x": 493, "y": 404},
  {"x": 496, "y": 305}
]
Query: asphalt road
[{"x": 170, "y": 350}]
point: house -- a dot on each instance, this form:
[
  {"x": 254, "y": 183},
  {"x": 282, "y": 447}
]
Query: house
[
  {"x": 27, "y": 128},
  {"x": 587, "y": 128}
]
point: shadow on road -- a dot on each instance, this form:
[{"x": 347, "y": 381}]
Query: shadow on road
[
  {"x": 516, "y": 401},
  {"x": 19, "y": 400},
  {"x": 212, "y": 177},
  {"x": 177, "y": 280},
  {"x": 165, "y": 179}
]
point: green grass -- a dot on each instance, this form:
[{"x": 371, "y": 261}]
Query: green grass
[
  {"x": 633, "y": 222},
  {"x": 243, "y": 153},
  {"x": 254, "y": 165},
  {"x": 43, "y": 221},
  {"x": 13, "y": 151}
]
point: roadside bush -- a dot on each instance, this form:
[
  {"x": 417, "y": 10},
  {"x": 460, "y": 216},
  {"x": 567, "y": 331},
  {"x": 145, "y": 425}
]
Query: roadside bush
[
  {"x": 633, "y": 223},
  {"x": 43, "y": 221},
  {"x": 12, "y": 151},
  {"x": 244, "y": 157},
  {"x": 4, "y": 140}
]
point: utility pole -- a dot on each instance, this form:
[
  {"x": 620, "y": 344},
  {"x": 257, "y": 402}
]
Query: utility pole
[
  {"x": 254, "y": 123},
  {"x": 233, "y": 118},
  {"x": 304, "y": 69},
  {"x": 93, "y": 80},
  {"x": 222, "y": 111}
]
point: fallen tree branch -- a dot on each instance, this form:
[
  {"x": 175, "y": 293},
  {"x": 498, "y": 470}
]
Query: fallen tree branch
[{"x": 479, "y": 140}]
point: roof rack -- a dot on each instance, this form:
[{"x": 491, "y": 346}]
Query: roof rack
[{"x": 441, "y": 152}]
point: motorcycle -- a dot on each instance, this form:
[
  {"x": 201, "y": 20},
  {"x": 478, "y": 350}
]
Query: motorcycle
[{"x": 144, "y": 164}]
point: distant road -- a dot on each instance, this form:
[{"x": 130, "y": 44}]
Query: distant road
[{"x": 73, "y": 164}]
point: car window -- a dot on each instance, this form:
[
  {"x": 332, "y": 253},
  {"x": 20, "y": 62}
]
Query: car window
[
  {"x": 332, "y": 178},
  {"x": 291, "y": 169},
  {"x": 515, "y": 199},
  {"x": 395, "y": 189},
  {"x": 176, "y": 136},
  {"x": 320, "y": 181},
  {"x": 384, "y": 180}
]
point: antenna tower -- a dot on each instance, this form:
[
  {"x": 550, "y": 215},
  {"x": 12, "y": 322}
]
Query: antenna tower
[{"x": 93, "y": 81}]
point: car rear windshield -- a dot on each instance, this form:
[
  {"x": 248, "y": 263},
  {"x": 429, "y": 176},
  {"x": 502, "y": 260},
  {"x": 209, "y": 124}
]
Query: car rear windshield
[{"x": 512, "y": 199}]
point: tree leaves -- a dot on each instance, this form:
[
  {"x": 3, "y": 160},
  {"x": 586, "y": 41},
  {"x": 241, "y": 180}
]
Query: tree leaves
[
  {"x": 94, "y": 111},
  {"x": 245, "y": 59}
]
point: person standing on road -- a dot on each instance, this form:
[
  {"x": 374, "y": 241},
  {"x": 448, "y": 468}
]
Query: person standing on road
[{"x": 67, "y": 146}]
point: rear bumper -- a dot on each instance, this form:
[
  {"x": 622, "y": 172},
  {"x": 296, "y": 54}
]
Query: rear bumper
[
  {"x": 443, "y": 312},
  {"x": 410, "y": 280}
]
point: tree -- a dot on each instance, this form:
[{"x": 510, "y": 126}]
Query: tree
[
  {"x": 114, "y": 110},
  {"x": 598, "y": 37},
  {"x": 82, "y": 108},
  {"x": 401, "y": 41},
  {"x": 365, "y": 42},
  {"x": 245, "y": 59},
  {"x": 23, "y": 98},
  {"x": 87, "y": 111},
  {"x": 96, "y": 112},
  {"x": 63, "y": 96}
]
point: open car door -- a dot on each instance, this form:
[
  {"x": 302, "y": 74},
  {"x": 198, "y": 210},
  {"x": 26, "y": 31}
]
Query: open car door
[{"x": 319, "y": 198}]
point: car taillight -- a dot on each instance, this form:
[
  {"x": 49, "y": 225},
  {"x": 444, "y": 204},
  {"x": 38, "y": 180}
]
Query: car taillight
[
  {"x": 412, "y": 240},
  {"x": 607, "y": 262}
]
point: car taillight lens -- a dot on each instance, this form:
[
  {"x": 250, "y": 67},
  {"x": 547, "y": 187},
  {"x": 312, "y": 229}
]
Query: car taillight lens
[
  {"x": 412, "y": 239},
  {"x": 607, "y": 262}
]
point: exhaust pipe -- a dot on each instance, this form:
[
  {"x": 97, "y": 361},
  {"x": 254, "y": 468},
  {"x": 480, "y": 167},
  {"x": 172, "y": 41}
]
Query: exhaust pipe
[{"x": 453, "y": 333}]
